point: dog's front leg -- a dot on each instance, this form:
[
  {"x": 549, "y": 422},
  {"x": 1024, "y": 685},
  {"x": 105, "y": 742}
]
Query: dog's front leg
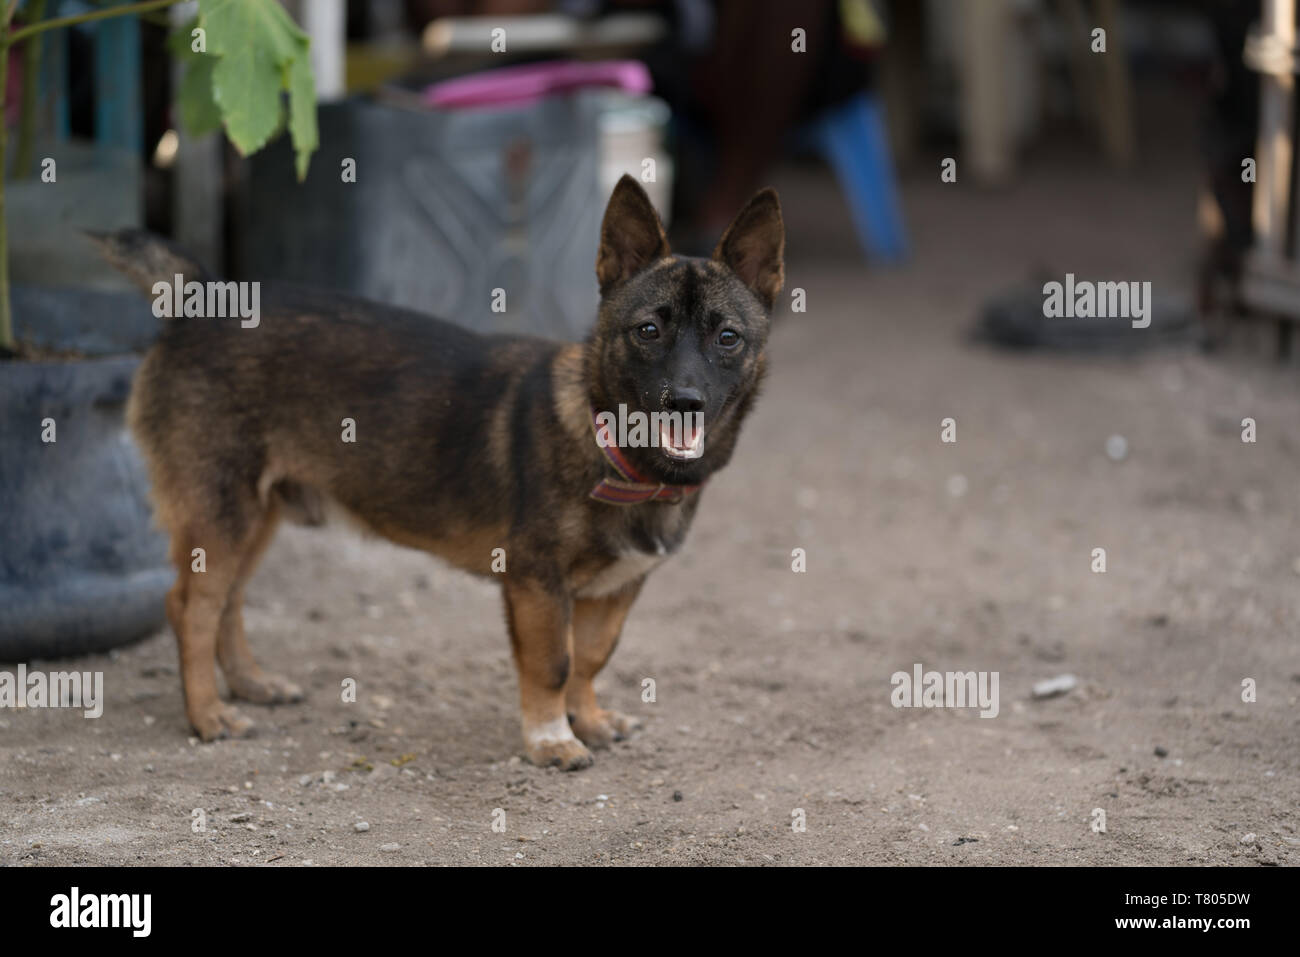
[
  {"x": 541, "y": 636},
  {"x": 597, "y": 623}
]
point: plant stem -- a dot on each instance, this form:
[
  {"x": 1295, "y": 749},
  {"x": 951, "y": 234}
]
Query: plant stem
[
  {"x": 6, "y": 316},
  {"x": 122, "y": 11},
  {"x": 8, "y": 37},
  {"x": 35, "y": 10}
]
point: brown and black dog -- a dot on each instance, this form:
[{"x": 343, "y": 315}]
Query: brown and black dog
[{"x": 462, "y": 445}]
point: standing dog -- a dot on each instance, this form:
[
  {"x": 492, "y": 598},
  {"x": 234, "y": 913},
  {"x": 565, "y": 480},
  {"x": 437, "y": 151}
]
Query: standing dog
[{"x": 462, "y": 445}]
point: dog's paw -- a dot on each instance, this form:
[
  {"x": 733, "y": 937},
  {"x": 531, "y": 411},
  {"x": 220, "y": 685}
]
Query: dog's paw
[
  {"x": 567, "y": 755},
  {"x": 264, "y": 688},
  {"x": 553, "y": 743},
  {"x": 600, "y": 728},
  {"x": 220, "y": 720}
]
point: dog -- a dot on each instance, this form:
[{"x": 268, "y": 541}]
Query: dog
[{"x": 497, "y": 453}]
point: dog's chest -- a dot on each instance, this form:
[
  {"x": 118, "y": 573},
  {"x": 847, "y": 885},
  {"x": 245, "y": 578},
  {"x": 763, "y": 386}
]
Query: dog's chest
[
  {"x": 620, "y": 573},
  {"x": 635, "y": 552}
]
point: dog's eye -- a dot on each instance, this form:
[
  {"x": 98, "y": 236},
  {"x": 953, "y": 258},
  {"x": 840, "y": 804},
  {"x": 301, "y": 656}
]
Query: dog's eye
[
  {"x": 728, "y": 338},
  {"x": 647, "y": 331}
]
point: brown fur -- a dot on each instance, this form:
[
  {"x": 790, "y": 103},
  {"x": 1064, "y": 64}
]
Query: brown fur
[{"x": 464, "y": 444}]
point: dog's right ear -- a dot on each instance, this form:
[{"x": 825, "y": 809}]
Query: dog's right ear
[{"x": 631, "y": 236}]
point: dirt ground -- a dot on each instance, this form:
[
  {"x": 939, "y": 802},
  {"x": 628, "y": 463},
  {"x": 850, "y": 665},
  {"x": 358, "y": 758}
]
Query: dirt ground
[{"x": 773, "y": 687}]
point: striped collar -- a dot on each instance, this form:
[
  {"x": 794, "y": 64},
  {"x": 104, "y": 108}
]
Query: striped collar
[{"x": 631, "y": 487}]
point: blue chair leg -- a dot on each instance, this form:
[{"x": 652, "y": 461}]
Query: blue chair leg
[{"x": 852, "y": 136}]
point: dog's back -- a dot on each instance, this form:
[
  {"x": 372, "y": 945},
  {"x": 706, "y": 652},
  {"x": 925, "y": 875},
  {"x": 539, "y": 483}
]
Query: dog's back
[{"x": 334, "y": 400}]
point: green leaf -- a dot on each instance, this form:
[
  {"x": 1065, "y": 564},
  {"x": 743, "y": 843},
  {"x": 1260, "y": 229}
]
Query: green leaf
[
  {"x": 246, "y": 86},
  {"x": 199, "y": 111},
  {"x": 302, "y": 114},
  {"x": 260, "y": 53},
  {"x": 234, "y": 26}
]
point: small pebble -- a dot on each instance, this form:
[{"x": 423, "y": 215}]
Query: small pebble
[
  {"x": 1161, "y": 752},
  {"x": 1061, "y": 684},
  {"x": 362, "y": 826},
  {"x": 390, "y": 848}
]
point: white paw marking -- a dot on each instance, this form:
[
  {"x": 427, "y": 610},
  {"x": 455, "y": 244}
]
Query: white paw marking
[{"x": 552, "y": 732}]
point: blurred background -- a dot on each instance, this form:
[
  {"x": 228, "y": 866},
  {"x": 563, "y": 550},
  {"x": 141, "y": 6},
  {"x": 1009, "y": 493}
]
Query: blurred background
[
  {"x": 469, "y": 180},
  {"x": 938, "y": 161}
]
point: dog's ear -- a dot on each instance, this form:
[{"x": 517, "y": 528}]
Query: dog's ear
[
  {"x": 631, "y": 236},
  {"x": 753, "y": 247}
]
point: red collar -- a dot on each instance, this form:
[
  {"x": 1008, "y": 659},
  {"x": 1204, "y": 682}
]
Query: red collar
[{"x": 631, "y": 487}]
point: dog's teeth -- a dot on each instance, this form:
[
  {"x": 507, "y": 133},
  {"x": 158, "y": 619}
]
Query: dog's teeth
[{"x": 684, "y": 444}]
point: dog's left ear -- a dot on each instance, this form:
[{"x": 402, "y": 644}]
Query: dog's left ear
[
  {"x": 753, "y": 246},
  {"x": 631, "y": 236}
]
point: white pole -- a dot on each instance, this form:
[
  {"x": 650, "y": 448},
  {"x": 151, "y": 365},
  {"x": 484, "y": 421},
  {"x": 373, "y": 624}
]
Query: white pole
[{"x": 325, "y": 21}]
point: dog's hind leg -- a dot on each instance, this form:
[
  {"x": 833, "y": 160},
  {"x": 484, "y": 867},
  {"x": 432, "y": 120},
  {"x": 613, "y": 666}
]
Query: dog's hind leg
[
  {"x": 243, "y": 674},
  {"x": 597, "y": 623},
  {"x": 195, "y": 606}
]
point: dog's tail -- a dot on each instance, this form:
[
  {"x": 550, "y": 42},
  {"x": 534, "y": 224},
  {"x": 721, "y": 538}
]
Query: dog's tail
[{"x": 147, "y": 259}]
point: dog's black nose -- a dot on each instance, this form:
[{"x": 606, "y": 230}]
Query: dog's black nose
[{"x": 685, "y": 399}]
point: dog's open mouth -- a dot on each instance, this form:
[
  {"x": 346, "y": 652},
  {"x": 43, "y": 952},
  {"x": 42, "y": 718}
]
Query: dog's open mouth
[{"x": 682, "y": 439}]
